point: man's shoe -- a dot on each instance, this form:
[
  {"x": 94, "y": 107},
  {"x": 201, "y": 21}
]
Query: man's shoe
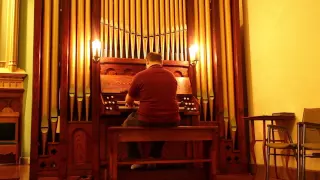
[{"x": 137, "y": 166}]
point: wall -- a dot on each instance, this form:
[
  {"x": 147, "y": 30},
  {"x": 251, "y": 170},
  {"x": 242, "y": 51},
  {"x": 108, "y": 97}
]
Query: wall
[
  {"x": 26, "y": 63},
  {"x": 283, "y": 59}
]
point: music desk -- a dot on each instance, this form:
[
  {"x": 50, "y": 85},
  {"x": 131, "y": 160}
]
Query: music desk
[{"x": 263, "y": 118}]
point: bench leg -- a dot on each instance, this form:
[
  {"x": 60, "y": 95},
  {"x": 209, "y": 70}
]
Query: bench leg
[{"x": 114, "y": 175}]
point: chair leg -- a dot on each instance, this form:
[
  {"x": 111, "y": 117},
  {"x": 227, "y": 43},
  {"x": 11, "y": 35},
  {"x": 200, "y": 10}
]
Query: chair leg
[
  {"x": 298, "y": 163},
  {"x": 268, "y": 163},
  {"x": 303, "y": 168}
]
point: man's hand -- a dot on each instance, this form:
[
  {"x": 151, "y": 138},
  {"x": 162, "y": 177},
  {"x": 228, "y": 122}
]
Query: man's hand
[{"x": 129, "y": 101}]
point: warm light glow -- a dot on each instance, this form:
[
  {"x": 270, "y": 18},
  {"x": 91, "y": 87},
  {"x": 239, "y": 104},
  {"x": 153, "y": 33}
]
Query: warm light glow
[
  {"x": 193, "y": 50},
  {"x": 96, "y": 49}
]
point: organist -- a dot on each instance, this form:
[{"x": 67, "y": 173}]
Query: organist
[{"x": 155, "y": 88}]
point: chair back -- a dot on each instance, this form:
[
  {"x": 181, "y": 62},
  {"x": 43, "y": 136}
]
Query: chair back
[{"x": 312, "y": 115}]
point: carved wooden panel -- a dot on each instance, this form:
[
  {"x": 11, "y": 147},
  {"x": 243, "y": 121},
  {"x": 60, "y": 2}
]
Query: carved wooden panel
[{"x": 80, "y": 143}]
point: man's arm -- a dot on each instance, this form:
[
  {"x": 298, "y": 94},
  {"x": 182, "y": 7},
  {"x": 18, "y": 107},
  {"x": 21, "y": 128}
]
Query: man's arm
[{"x": 133, "y": 92}]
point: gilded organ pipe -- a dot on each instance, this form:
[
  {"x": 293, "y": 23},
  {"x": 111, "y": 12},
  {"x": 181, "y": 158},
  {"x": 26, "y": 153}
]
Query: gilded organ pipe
[
  {"x": 73, "y": 52},
  {"x": 111, "y": 26},
  {"x": 181, "y": 30},
  {"x": 127, "y": 27},
  {"x": 121, "y": 28},
  {"x": 106, "y": 27},
  {"x": 203, "y": 65},
  {"x": 209, "y": 57},
  {"x": 133, "y": 26},
  {"x": 145, "y": 27},
  {"x": 196, "y": 37},
  {"x": 229, "y": 56},
  {"x": 54, "y": 69},
  {"x": 80, "y": 56},
  {"x": 151, "y": 25},
  {"x": 168, "y": 30},
  {"x": 116, "y": 26},
  {"x": 45, "y": 68},
  {"x": 156, "y": 25},
  {"x": 177, "y": 27},
  {"x": 185, "y": 30},
  {"x": 87, "y": 56},
  {"x": 172, "y": 27},
  {"x": 138, "y": 27},
  {"x": 162, "y": 28},
  {"x": 224, "y": 69},
  {"x": 102, "y": 25}
]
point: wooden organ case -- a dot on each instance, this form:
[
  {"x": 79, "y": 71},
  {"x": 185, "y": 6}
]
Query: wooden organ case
[{"x": 77, "y": 96}]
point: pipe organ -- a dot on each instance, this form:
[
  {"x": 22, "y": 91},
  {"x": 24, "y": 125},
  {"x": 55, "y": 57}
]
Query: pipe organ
[{"x": 77, "y": 97}]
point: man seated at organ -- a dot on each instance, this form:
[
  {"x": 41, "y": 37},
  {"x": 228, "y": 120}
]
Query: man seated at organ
[{"x": 156, "y": 90}]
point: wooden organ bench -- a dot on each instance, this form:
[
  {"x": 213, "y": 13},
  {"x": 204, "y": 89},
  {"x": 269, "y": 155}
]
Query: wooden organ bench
[{"x": 118, "y": 135}]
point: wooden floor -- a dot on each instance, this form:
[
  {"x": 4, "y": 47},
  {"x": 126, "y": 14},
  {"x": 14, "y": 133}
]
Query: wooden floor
[{"x": 22, "y": 173}]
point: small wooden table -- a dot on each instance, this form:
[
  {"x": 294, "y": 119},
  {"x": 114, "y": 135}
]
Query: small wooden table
[{"x": 264, "y": 118}]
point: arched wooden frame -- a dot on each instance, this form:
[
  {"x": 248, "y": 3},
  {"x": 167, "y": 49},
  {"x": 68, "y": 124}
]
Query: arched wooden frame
[{"x": 64, "y": 56}]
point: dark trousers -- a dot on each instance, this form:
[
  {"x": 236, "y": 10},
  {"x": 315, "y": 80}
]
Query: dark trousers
[{"x": 156, "y": 147}]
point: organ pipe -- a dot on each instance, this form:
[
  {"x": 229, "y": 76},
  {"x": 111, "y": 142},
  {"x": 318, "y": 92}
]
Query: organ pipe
[
  {"x": 87, "y": 56},
  {"x": 209, "y": 57},
  {"x": 229, "y": 55},
  {"x": 116, "y": 26},
  {"x": 145, "y": 27},
  {"x": 224, "y": 69},
  {"x": 80, "y": 56},
  {"x": 184, "y": 9},
  {"x": 172, "y": 27},
  {"x": 162, "y": 28},
  {"x": 156, "y": 25},
  {"x": 102, "y": 25},
  {"x": 138, "y": 27},
  {"x": 196, "y": 32},
  {"x": 45, "y": 68},
  {"x": 177, "y": 27},
  {"x": 168, "y": 30},
  {"x": 127, "y": 27},
  {"x": 111, "y": 28},
  {"x": 151, "y": 24},
  {"x": 73, "y": 52},
  {"x": 106, "y": 27},
  {"x": 181, "y": 30},
  {"x": 133, "y": 26},
  {"x": 203, "y": 65},
  {"x": 54, "y": 69},
  {"x": 121, "y": 28}
]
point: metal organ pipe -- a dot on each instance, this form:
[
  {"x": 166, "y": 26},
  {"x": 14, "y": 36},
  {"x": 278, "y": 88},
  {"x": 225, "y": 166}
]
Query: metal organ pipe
[
  {"x": 54, "y": 69},
  {"x": 45, "y": 68},
  {"x": 203, "y": 60},
  {"x": 151, "y": 24},
  {"x": 126, "y": 27},
  {"x": 80, "y": 55},
  {"x": 209, "y": 57},
  {"x": 87, "y": 58},
  {"x": 156, "y": 25}
]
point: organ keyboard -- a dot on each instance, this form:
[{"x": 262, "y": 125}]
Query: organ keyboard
[{"x": 114, "y": 88}]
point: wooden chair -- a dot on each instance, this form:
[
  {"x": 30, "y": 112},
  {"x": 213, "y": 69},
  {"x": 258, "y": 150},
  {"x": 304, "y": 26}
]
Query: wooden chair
[
  {"x": 117, "y": 135},
  {"x": 285, "y": 144},
  {"x": 308, "y": 138}
]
